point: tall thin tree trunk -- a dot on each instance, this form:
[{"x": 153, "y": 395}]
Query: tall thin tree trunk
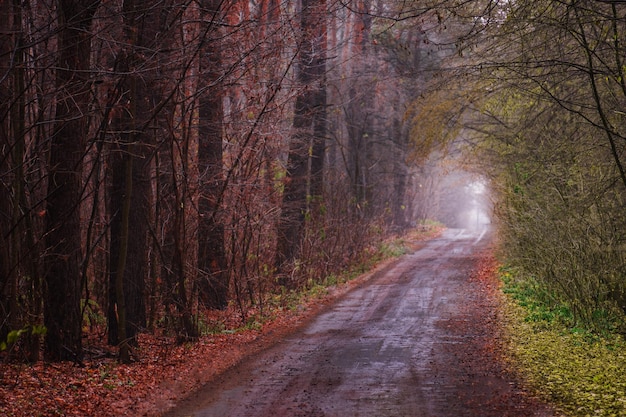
[
  {"x": 400, "y": 176},
  {"x": 20, "y": 277},
  {"x": 16, "y": 145},
  {"x": 306, "y": 151},
  {"x": 124, "y": 239},
  {"x": 134, "y": 150},
  {"x": 211, "y": 252},
  {"x": 62, "y": 314}
]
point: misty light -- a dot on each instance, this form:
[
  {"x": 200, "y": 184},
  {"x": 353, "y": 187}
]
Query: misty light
[
  {"x": 477, "y": 187},
  {"x": 464, "y": 200},
  {"x": 476, "y": 214}
]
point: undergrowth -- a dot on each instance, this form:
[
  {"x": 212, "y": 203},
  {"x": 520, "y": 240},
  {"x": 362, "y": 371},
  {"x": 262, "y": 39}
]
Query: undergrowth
[
  {"x": 294, "y": 299},
  {"x": 579, "y": 370},
  {"x": 388, "y": 249}
]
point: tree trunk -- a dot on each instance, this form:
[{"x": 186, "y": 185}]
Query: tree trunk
[
  {"x": 359, "y": 111},
  {"x": 62, "y": 314},
  {"x": 306, "y": 151},
  {"x": 130, "y": 168},
  {"x": 124, "y": 238},
  {"x": 211, "y": 253},
  {"x": 11, "y": 171},
  {"x": 128, "y": 174},
  {"x": 129, "y": 199}
]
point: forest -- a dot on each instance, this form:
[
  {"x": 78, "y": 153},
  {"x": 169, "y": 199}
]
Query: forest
[{"x": 161, "y": 160}]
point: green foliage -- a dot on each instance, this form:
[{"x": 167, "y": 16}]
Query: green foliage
[
  {"x": 560, "y": 215},
  {"x": 254, "y": 322},
  {"x": 576, "y": 369},
  {"x": 92, "y": 313},
  {"x": 331, "y": 280},
  {"x": 542, "y": 307},
  {"x": 542, "y": 130},
  {"x": 14, "y": 335},
  {"x": 110, "y": 380},
  {"x": 393, "y": 249}
]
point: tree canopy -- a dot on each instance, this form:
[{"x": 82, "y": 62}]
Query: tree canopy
[{"x": 547, "y": 117}]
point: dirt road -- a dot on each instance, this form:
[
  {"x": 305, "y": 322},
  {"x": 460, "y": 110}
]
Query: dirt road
[{"x": 412, "y": 341}]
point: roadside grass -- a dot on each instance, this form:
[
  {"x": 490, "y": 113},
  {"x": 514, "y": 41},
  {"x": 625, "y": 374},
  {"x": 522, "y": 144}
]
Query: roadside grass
[{"x": 579, "y": 371}]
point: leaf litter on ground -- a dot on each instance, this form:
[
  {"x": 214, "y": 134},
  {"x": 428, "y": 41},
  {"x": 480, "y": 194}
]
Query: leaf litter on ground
[{"x": 164, "y": 371}]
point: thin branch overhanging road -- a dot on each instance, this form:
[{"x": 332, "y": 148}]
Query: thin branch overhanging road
[{"x": 405, "y": 343}]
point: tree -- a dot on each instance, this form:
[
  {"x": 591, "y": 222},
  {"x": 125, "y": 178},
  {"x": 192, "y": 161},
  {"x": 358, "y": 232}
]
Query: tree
[
  {"x": 548, "y": 94},
  {"x": 187, "y": 151},
  {"x": 359, "y": 109},
  {"x": 62, "y": 278},
  {"x": 17, "y": 226},
  {"x": 11, "y": 165},
  {"x": 132, "y": 171},
  {"x": 306, "y": 150},
  {"x": 212, "y": 265}
]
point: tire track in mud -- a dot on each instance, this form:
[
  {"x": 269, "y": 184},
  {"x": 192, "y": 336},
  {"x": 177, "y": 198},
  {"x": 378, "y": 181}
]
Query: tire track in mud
[{"x": 409, "y": 342}]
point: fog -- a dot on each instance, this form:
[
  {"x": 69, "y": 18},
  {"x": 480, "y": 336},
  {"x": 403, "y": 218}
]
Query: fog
[
  {"x": 463, "y": 201},
  {"x": 474, "y": 212}
]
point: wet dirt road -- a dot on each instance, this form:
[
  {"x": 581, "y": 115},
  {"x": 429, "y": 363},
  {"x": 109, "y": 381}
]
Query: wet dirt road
[{"x": 408, "y": 342}]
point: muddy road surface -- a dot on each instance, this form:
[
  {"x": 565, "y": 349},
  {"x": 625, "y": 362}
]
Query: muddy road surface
[{"x": 411, "y": 341}]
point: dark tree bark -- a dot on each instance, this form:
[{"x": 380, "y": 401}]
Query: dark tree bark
[
  {"x": 121, "y": 197},
  {"x": 306, "y": 151},
  {"x": 20, "y": 266},
  {"x": 131, "y": 185},
  {"x": 130, "y": 188},
  {"x": 211, "y": 254},
  {"x": 129, "y": 203},
  {"x": 359, "y": 111},
  {"x": 359, "y": 147},
  {"x": 62, "y": 314},
  {"x": 9, "y": 46}
]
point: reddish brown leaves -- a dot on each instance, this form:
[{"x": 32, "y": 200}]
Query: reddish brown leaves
[{"x": 163, "y": 372}]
